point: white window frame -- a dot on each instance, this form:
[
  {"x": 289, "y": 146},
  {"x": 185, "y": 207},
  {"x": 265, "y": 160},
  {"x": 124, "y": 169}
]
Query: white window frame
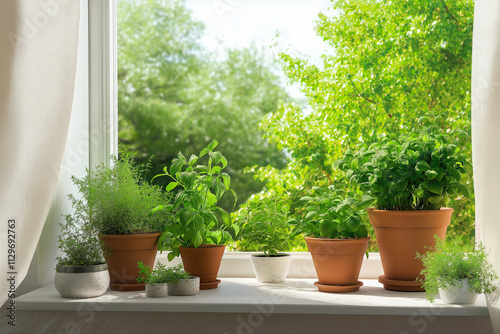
[{"x": 103, "y": 127}]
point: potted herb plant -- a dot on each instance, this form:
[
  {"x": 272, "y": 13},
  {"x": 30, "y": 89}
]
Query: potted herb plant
[
  {"x": 264, "y": 228},
  {"x": 458, "y": 273},
  {"x": 172, "y": 281},
  {"x": 336, "y": 237},
  {"x": 120, "y": 204},
  {"x": 81, "y": 271},
  {"x": 199, "y": 228},
  {"x": 411, "y": 178}
]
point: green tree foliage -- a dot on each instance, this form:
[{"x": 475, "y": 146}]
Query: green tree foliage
[
  {"x": 393, "y": 62},
  {"x": 176, "y": 96}
]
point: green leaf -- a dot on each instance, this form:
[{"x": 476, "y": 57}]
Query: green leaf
[
  {"x": 213, "y": 145},
  {"x": 422, "y": 166},
  {"x": 186, "y": 217},
  {"x": 436, "y": 188},
  {"x": 171, "y": 186},
  {"x": 435, "y": 199},
  {"x": 430, "y": 174},
  {"x": 192, "y": 160},
  {"x": 216, "y": 170},
  {"x": 227, "y": 180}
]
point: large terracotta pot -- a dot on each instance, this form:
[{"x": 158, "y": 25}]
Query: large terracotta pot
[
  {"x": 203, "y": 262},
  {"x": 400, "y": 235},
  {"x": 123, "y": 253},
  {"x": 337, "y": 262}
]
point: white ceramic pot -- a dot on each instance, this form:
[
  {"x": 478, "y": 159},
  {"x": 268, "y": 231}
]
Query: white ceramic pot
[
  {"x": 459, "y": 294},
  {"x": 81, "y": 281},
  {"x": 185, "y": 287},
  {"x": 156, "y": 290},
  {"x": 271, "y": 269}
]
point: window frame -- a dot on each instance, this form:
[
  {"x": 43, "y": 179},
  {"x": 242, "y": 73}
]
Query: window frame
[{"x": 103, "y": 134}]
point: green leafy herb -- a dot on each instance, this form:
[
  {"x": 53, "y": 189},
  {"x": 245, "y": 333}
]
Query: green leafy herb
[
  {"x": 332, "y": 213},
  {"x": 416, "y": 171},
  {"x": 264, "y": 226},
  {"x": 197, "y": 187},
  {"x": 160, "y": 274},
  {"x": 448, "y": 262}
]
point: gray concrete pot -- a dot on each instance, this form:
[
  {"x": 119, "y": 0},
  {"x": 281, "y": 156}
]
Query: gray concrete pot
[
  {"x": 81, "y": 281},
  {"x": 185, "y": 287},
  {"x": 156, "y": 290}
]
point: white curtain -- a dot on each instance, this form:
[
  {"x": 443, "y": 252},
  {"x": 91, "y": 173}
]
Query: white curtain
[
  {"x": 38, "y": 49},
  {"x": 486, "y": 134}
]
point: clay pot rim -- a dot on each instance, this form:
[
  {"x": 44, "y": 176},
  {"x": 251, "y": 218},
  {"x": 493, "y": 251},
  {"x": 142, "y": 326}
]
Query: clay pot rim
[
  {"x": 321, "y": 239},
  {"x": 279, "y": 255},
  {"x": 395, "y": 212},
  {"x": 203, "y": 246},
  {"x": 129, "y": 236}
]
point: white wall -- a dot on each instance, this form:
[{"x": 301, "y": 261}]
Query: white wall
[{"x": 75, "y": 161}]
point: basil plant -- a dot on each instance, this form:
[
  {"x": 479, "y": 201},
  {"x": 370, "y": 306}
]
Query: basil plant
[{"x": 197, "y": 188}]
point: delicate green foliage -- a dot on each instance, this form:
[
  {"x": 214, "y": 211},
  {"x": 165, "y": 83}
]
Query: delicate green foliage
[
  {"x": 417, "y": 171},
  {"x": 120, "y": 201},
  {"x": 392, "y": 63},
  {"x": 174, "y": 94},
  {"x": 264, "y": 226},
  {"x": 77, "y": 240},
  {"x": 161, "y": 274},
  {"x": 332, "y": 213},
  {"x": 448, "y": 262},
  {"x": 197, "y": 191}
]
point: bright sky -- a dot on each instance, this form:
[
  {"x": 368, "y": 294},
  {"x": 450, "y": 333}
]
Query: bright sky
[{"x": 238, "y": 23}]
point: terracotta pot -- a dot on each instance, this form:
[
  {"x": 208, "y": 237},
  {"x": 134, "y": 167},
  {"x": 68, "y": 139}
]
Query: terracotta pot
[
  {"x": 203, "y": 262},
  {"x": 400, "y": 235},
  {"x": 124, "y": 253},
  {"x": 337, "y": 262}
]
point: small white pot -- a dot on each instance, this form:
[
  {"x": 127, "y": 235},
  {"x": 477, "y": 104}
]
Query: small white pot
[
  {"x": 459, "y": 294},
  {"x": 81, "y": 281},
  {"x": 271, "y": 269},
  {"x": 185, "y": 287},
  {"x": 156, "y": 290}
]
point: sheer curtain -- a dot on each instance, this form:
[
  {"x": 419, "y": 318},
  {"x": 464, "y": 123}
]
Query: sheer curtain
[
  {"x": 38, "y": 51},
  {"x": 486, "y": 134}
]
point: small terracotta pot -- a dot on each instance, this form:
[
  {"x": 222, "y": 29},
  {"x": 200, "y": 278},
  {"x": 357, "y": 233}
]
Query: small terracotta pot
[
  {"x": 124, "y": 251},
  {"x": 400, "y": 235},
  {"x": 337, "y": 262},
  {"x": 203, "y": 262}
]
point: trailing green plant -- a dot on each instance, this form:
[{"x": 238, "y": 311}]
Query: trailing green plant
[
  {"x": 120, "y": 200},
  {"x": 160, "y": 274},
  {"x": 197, "y": 188},
  {"x": 448, "y": 262},
  {"x": 332, "y": 213},
  {"x": 415, "y": 171},
  {"x": 77, "y": 240},
  {"x": 264, "y": 226}
]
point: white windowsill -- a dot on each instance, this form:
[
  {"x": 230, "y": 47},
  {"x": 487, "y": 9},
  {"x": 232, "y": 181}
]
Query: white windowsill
[{"x": 246, "y": 295}]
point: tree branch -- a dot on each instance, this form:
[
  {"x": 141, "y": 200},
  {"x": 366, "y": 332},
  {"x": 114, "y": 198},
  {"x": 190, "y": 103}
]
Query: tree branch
[{"x": 360, "y": 94}]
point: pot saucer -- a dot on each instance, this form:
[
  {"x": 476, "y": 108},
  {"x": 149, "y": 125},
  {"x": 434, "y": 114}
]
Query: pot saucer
[
  {"x": 338, "y": 288},
  {"x": 209, "y": 285},
  {"x": 398, "y": 285},
  {"x": 127, "y": 287}
]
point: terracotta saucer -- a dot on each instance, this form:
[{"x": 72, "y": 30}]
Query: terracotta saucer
[
  {"x": 338, "y": 288},
  {"x": 127, "y": 287},
  {"x": 397, "y": 285},
  {"x": 209, "y": 285}
]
